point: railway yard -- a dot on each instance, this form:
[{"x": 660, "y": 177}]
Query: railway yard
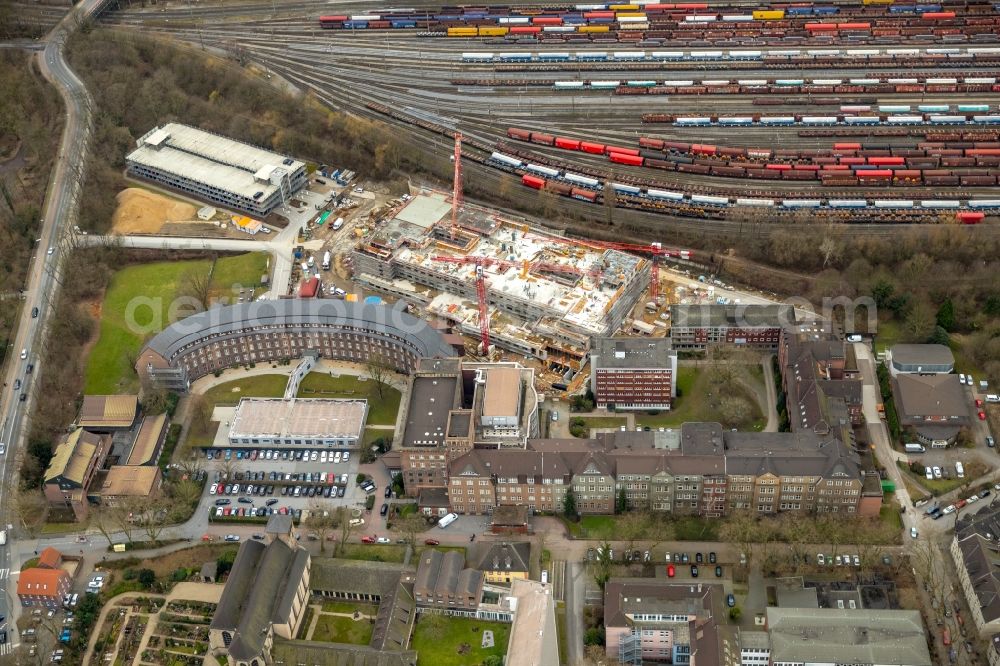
[{"x": 847, "y": 112}]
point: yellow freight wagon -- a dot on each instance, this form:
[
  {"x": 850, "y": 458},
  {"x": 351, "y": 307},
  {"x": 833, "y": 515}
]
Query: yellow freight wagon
[
  {"x": 633, "y": 26},
  {"x": 769, "y": 14},
  {"x": 630, "y": 15},
  {"x": 877, "y": 2},
  {"x": 623, "y": 8},
  {"x": 487, "y": 31},
  {"x": 595, "y": 28},
  {"x": 461, "y": 32}
]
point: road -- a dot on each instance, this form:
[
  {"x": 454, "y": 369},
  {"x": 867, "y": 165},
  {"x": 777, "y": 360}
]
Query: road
[{"x": 58, "y": 215}]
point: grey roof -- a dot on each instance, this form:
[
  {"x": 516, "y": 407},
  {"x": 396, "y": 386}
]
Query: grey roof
[
  {"x": 923, "y": 355},
  {"x": 977, "y": 534},
  {"x": 931, "y": 396},
  {"x": 311, "y": 653},
  {"x": 628, "y": 596},
  {"x": 631, "y": 353},
  {"x": 301, "y": 312},
  {"x": 710, "y": 315},
  {"x": 279, "y": 524},
  {"x": 443, "y": 574},
  {"x": 359, "y": 576},
  {"x": 501, "y": 556},
  {"x": 431, "y": 400},
  {"x": 789, "y": 454},
  {"x": 259, "y": 592},
  {"x": 847, "y": 636}
]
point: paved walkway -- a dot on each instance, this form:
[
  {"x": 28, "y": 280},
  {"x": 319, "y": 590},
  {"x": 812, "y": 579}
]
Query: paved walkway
[{"x": 767, "y": 365}]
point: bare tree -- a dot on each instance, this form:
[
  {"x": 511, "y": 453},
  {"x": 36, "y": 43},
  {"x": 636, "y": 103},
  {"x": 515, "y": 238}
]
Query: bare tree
[
  {"x": 830, "y": 249},
  {"x": 196, "y": 285},
  {"x": 380, "y": 371},
  {"x": 30, "y": 508},
  {"x": 320, "y": 521},
  {"x": 102, "y": 519},
  {"x": 342, "y": 518},
  {"x": 123, "y": 518},
  {"x": 411, "y": 526},
  {"x": 741, "y": 530}
]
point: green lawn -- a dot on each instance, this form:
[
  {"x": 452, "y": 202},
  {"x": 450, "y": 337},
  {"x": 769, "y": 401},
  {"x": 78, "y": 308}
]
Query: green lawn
[
  {"x": 243, "y": 270},
  {"x": 349, "y": 607},
  {"x": 890, "y": 515},
  {"x": 605, "y": 422},
  {"x": 693, "y": 405},
  {"x": 371, "y": 434},
  {"x": 461, "y": 643},
  {"x": 973, "y": 470},
  {"x": 373, "y": 552},
  {"x": 381, "y": 411},
  {"x": 338, "y": 629},
  {"x": 889, "y": 333},
  {"x": 683, "y": 528},
  {"x": 137, "y": 305}
]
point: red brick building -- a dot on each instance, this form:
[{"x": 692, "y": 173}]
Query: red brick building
[
  {"x": 43, "y": 587},
  {"x": 633, "y": 373},
  {"x": 698, "y": 327}
]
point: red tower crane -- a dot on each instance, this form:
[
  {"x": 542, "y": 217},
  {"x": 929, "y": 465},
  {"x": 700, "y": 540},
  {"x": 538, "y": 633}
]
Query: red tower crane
[
  {"x": 456, "y": 195},
  {"x": 484, "y": 304}
]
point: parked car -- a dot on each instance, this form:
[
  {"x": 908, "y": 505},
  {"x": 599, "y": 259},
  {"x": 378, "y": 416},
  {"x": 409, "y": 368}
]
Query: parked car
[
  {"x": 730, "y": 600},
  {"x": 718, "y": 571},
  {"x": 913, "y": 533},
  {"x": 367, "y": 539},
  {"x": 434, "y": 542},
  {"x": 711, "y": 557},
  {"x": 821, "y": 559},
  {"x": 232, "y": 537},
  {"x": 671, "y": 571},
  {"x": 694, "y": 570},
  {"x": 383, "y": 540},
  {"x": 384, "y": 511}
]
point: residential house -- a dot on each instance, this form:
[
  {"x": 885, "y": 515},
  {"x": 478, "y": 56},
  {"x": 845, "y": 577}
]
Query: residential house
[
  {"x": 42, "y": 586},
  {"x": 975, "y": 549},
  {"x": 502, "y": 562},
  {"x": 818, "y": 374}
]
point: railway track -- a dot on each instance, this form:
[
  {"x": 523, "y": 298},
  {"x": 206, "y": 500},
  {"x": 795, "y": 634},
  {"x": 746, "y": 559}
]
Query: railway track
[{"x": 402, "y": 70}]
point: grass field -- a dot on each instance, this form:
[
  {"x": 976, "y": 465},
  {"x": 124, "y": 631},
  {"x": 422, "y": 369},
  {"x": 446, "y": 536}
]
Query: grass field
[
  {"x": 371, "y": 434},
  {"x": 381, "y": 411},
  {"x": 684, "y": 528},
  {"x": 138, "y": 303},
  {"x": 692, "y": 404},
  {"x": 337, "y": 629},
  {"x": 349, "y": 607},
  {"x": 372, "y": 552},
  {"x": 460, "y": 644},
  {"x": 605, "y": 422}
]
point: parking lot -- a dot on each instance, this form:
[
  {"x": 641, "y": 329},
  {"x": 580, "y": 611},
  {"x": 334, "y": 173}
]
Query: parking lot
[{"x": 260, "y": 482}]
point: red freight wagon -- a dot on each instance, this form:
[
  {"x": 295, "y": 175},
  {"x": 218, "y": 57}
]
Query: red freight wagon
[
  {"x": 702, "y": 149},
  {"x": 545, "y": 139},
  {"x": 598, "y": 15},
  {"x": 525, "y": 30},
  {"x": 968, "y": 217},
  {"x": 621, "y": 151},
  {"x": 519, "y": 134},
  {"x": 593, "y": 148},
  {"x": 584, "y": 195},
  {"x": 778, "y": 167},
  {"x": 647, "y": 142},
  {"x": 620, "y": 158},
  {"x": 874, "y": 174},
  {"x": 855, "y": 161},
  {"x": 546, "y": 20},
  {"x": 847, "y": 146},
  {"x": 821, "y": 27},
  {"x": 533, "y": 181},
  {"x": 854, "y": 26},
  {"x": 886, "y": 161},
  {"x": 938, "y": 15},
  {"x": 567, "y": 144}
]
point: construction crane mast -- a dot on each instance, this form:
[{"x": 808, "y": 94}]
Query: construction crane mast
[
  {"x": 484, "y": 305},
  {"x": 456, "y": 196}
]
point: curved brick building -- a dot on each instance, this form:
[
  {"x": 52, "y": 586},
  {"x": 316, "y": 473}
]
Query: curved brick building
[{"x": 284, "y": 329}]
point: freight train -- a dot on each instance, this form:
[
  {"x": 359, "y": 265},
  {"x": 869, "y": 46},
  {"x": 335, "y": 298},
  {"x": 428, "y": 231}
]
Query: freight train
[
  {"x": 966, "y": 164},
  {"x": 732, "y": 55}
]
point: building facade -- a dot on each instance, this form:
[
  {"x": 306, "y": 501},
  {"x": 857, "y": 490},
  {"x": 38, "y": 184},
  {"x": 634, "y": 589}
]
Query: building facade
[
  {"x": 214, "y": 168},
  {"x": 696, "y": 470},
  {"x": 820, "y": 379},
  {"x": 976, "y": 555},
  {"x": 285, "y": 329},
  {"x": 630, "y": 373},
  {"x": 444, "y": 585},
  {"x": 698, "y": 327},
  {"x": 39, "y": 586}
]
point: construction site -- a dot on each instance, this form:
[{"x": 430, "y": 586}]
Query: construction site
[{"x": 519, "y": 288}]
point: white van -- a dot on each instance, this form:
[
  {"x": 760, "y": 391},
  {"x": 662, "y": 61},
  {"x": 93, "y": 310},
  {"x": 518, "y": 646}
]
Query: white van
[
  {"x": 447, "y": 520},
  {"x": 960, "y": 470},
  {"x": 992, "y": 397},
  {"x": 914, "y": 448}
]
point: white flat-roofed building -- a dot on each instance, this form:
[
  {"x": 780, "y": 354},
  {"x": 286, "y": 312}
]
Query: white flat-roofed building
[
  {"x": 305, "y": 422},
  {"x": 233, "y": 174}
]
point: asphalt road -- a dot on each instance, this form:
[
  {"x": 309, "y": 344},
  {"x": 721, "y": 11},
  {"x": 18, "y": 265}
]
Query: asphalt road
[{"x": 59, "y": 214}]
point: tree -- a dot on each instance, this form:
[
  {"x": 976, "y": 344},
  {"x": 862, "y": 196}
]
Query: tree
[
  {"x": 740, "y": 529},
  {"x": 196, "y": 285},
  {"x": 146, "y": 577},
  {"x": 830, "y": 249},
  {"x": 101, "y": 518},
  {"x": 435, "y": 625},
  {"x": 154, "y": 399},
  {"x": 946, "y": 315},
  {"x": 321, "y": 521},
  {"x": 939, "y": 337},
  {"x": 342, "y": 520},
  {"x": 602, "y": 573},
  {"x": 411, "y": 526},
  {"x": 380, "y": 371},
  {"x": 493, "y": 660},
  {"x": 621, "y": 502},
  {"x": 919, "y": 321},
  {"x": 30, "y": 508},
  {"x": 594, "y": 636},
  {"x": 200, "y": 410},
  {"x": 569, "y": 505},
  {"x": 735, "y": 613}
]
